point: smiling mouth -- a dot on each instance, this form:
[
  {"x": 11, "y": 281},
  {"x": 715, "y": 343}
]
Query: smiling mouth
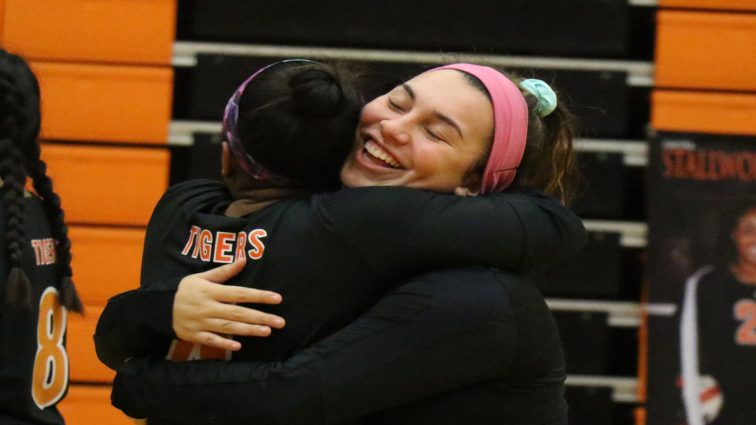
[{"x": 377, "y": 155}]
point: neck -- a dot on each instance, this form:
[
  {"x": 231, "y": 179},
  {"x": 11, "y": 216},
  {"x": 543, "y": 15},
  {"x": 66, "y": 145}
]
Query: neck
[
  {"x": 744, "y": 272},
  {"x": 249, "y": 200}
]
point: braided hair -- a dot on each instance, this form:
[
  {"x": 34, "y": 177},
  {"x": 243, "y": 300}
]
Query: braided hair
[{"x": 19, "y": 159}]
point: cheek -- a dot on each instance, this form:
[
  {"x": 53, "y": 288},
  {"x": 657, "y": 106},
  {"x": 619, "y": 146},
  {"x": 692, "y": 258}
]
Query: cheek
[{"x": 439, "y": 162}]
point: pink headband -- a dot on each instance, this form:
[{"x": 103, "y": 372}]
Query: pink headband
[{"x": 510, "y": 125}]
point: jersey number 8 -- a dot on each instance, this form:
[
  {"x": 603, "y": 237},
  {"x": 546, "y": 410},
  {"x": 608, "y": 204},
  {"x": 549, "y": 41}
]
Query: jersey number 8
[{"x": 50, "y": 376}]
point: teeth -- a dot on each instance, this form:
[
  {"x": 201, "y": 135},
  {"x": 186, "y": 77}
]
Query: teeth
[{"x": 379, "y": 153}]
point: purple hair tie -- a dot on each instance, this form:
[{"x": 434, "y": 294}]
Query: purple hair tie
[{"x": 230, "y": 131}]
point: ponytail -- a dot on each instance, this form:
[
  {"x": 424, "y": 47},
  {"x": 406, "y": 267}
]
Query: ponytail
[
  {"x": 19, "y": 154},
  {"x": 549, "y": 162}
]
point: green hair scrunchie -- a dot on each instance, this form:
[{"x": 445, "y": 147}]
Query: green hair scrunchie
[{"x": 547, "y": 99}]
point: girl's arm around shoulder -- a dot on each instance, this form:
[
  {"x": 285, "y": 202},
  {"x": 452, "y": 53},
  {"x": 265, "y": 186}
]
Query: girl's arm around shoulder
[{"x": 401, "y": 230}]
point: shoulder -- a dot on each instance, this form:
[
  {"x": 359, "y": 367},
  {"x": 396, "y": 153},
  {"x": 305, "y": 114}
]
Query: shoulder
[
  {"x": 374, "y": 194},
  {"x": 194, "y": 194},
  {"x": 373, "y": 201},
  {"x": 706, "y": 277},
  {"x": 196, "y": 187}
]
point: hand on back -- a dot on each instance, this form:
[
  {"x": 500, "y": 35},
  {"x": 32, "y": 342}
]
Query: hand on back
[{"x": 204, "y": 310}]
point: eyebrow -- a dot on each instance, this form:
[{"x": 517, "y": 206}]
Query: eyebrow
[{"x": 440, "y": 116}]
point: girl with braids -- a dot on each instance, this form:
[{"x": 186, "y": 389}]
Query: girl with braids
[
  {"x": 461, "y": 129},
  {"x": 35, "y": 270}
]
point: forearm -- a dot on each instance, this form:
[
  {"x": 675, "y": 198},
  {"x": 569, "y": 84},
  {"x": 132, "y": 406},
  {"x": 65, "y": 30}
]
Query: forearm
[
  {"x": 134, "y": 324},
  {"x": 401, "y": 231},
  {"x": 424, "y": 337}
]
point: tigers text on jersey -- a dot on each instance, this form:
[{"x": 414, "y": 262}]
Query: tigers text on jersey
[
  {"x": 33, "y": 360},
  {"x": 224, "y": 247}
]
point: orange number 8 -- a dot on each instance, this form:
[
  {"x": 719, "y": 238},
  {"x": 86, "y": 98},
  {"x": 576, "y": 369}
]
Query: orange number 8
[{"x": 50, "y": 376}]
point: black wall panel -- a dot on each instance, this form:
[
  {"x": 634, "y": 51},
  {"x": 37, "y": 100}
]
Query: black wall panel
[
  {"x": 585, "y": 339},
  {"x": 599, "y": 99},
  {"x": 594, "y": 272},
  {"x": 602, "y": 190},
  {"x": 546, "y": 27},
  {"x": 590, "y": 406}
]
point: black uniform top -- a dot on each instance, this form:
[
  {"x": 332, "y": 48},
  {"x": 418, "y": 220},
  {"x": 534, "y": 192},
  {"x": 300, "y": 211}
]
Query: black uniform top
[
  {"x": 726, "y": 318},
  {"x": 33, "y": 360},
  {"x": 466, "y": 346},
  {"x": 330, "y": 256}
]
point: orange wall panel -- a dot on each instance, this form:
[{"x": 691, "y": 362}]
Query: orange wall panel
[
  {"x": 90, "y": 405},
  {"x": 706, "y": 50},
  {"x": 108, "y": 185},
  {"x": 125, "y": 31},
  {"x": 704, "y": 112},
  {"x": 82, "y": 358},
  {"x": 2, "y": 22},
  {"x": 710, "y": 4},
  {"x": 106, "y": 261},
  {"x": 105, "y": 103}
]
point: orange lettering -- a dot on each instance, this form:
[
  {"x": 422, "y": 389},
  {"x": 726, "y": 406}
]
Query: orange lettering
[
  {"x": 206, "y": 244},
  {"x": 223, "y": 247},
  {"x": 745, "y": 310},
  {"x": 193, "y": 232},
  {"x": 257, "y": 245},
  {"x": 241, "y": 242},
  {"x": 50, "y": 375}
]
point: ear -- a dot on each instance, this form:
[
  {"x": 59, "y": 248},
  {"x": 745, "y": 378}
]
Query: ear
[
  {"x": 470, "y": 186},
  {"x": 226, "y": 160}
]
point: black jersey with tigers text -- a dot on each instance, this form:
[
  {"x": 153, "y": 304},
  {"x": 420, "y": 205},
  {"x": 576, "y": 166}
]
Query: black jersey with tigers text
[
  {"x": 330, "y": 256},
  {"x": 33, "y": 360}
]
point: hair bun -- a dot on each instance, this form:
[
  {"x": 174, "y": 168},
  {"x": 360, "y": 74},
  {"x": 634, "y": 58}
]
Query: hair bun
[{"x": 316, "y": 92}]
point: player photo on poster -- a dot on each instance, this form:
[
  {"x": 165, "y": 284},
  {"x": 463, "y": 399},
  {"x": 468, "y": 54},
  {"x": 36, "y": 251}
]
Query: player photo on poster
[{"x": 702, "y": 280}]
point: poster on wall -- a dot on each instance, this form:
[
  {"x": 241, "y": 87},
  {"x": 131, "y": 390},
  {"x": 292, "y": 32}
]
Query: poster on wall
[{"x": 702, "y": 280}]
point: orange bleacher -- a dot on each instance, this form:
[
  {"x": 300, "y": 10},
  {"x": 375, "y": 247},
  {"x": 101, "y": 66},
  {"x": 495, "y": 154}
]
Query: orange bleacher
[
  {"x": 108, "y": 185},
  {"x": 127, "y": 104},
  {"x": 91, "y": 405},
  {"x": 710, "y": 4},
  {"x": 106, "y": 260},
  {"x": 106, "y": 80},
  {"x": 706, "y": 50},
  {"x": 108, "y": 31},
  {"x": 692, "y": 111}
]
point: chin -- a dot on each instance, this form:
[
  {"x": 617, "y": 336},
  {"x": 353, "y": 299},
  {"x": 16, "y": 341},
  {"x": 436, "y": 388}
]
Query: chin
[{"x": 351, "y": 178}]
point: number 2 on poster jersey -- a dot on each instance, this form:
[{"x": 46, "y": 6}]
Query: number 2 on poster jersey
[
  {"x": 50, "y": 375},
  {"x": 745, "y": 311}
]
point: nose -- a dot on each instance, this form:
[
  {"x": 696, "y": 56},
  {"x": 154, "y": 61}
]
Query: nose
[{"x": 394, "y": 130}]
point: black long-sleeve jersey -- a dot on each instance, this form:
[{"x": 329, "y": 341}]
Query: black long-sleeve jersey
[
  {"x": 33, "y": 359},
  {"x": 467, "y": 346},
  {"x": 721, "y": 331},
  {"x": 331, "y": 256}
]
